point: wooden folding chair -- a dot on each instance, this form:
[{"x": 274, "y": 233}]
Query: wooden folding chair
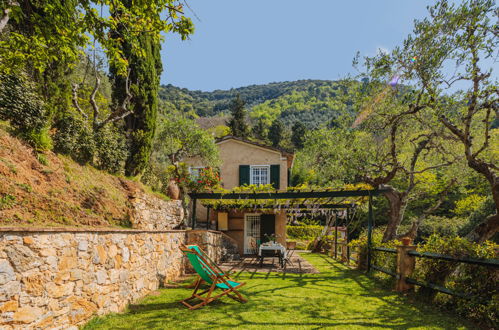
[{"x": 210, "y": 273}]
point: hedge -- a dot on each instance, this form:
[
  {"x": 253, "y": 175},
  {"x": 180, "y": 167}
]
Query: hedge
[{"x": 303, "y": 232}]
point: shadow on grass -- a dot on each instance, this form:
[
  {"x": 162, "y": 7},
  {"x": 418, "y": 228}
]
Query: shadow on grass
[{"x": 336, "y": 297}]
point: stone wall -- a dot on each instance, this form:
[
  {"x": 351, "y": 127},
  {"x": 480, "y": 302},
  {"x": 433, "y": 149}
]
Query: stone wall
[
  {"x": 61, "y": 278},
  {"x": 210, "y": 241},
  {"x": 152, "y": 213}
]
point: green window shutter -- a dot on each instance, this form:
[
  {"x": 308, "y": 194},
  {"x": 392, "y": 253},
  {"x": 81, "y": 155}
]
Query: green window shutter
[
  {"x": 244, "y": 174},
  {"x": 275, "y": 171}
]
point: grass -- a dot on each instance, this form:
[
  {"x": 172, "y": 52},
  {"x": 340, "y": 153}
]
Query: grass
[{"x": 337, "y": 298}]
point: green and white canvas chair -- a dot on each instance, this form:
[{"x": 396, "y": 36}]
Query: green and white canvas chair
[{"x": 209, "y": 272}]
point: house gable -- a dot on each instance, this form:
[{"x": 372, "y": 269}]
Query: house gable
[{"x": 234, "y": 152}]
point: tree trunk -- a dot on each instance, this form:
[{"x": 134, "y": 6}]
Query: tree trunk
[
  {"x": 398, "y": 202},
  {"x": 5, "y": 19},
  {"x": 487, "y": 229},
  {"x": 490, "y": 226}
]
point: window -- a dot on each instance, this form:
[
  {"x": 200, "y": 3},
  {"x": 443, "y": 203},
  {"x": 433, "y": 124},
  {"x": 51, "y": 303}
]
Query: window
[
  {"x": 260, "y": 175},
  {"x": 195, "y": 171}
]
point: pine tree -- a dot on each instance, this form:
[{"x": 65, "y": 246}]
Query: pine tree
[
  {"x": 144, "y": 76},
  {"x": 298, "y": 135},
  {"x": 276, "y": 132},
  {"x": 237, "y": 123}
]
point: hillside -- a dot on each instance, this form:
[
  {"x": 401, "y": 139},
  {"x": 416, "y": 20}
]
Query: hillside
[
  {"x": 53, "y": 190},
  {"x": 313, "y": 102}
]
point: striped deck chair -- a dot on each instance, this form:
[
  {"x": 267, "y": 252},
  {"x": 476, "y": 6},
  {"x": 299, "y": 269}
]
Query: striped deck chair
[{"x": 210, "y": 273}]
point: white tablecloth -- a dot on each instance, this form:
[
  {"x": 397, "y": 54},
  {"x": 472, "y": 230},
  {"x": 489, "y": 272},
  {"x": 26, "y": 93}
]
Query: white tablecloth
[{"x": 272, "y": 247}]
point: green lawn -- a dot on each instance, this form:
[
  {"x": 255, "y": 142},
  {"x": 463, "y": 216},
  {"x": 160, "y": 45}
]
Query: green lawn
[{"x": 336, "y": 298}]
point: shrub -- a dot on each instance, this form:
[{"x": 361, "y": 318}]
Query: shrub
[
  {"x": 479, "y": 215},
  {"x": 74, "y": 138},
  {"x": 111, "y": 149},
  {"x": 442, "y": 226},
  {"x": 105, "y": 149},
  {"x": 382, "y": 259},
  {"x": 479, "y": 282},
  {"x": 24, "y": 109},
  {"x": 303, "y": 232}
]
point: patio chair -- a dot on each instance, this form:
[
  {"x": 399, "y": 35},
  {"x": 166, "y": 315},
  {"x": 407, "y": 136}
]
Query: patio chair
[{"x": 210, "y": 273}]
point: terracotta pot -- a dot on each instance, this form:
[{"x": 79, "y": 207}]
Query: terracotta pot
[
  {"x": 406, "y": 240},
  {"x": 173, "y": 190}
]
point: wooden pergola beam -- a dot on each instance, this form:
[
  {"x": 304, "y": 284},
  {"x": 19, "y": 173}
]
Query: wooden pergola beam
[{"x": 289, "y": 195}]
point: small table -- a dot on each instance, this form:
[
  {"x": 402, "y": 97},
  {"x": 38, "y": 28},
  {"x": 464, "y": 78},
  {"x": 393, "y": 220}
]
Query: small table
[{"x": 273, "y": 250}]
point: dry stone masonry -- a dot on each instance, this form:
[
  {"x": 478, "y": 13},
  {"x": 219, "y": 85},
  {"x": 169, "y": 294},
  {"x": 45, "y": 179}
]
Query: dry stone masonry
[
  {"x": 60, "y": 279},
  {"x": 152, "y": 213}
]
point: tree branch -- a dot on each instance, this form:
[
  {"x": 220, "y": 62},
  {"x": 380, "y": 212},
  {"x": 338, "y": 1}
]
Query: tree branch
[
  {"x": 122, "y": 111},
  {"x": 75, "y": 101},
  {"x": 95, "y": 107}
]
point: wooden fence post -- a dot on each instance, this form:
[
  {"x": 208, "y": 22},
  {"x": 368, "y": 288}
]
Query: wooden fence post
[{"x": 405, "y": 267}]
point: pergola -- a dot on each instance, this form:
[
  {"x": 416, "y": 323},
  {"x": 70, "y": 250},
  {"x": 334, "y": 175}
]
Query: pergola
[{"x": 326, "y": 199}]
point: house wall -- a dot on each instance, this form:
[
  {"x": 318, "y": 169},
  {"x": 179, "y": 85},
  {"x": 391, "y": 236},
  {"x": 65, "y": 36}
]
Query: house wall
[
  {"x": 234, "y": 153},
  {"x": 236, "y": 227}
]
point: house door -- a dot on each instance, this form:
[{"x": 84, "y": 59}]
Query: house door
[
  {"x": 251, "y": 233},
  {"x": 267, "y": 227}
]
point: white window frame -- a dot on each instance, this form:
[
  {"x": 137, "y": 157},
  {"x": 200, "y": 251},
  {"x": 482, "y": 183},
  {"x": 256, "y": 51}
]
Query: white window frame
[
  {"x": 194, "y": 171},
  {"x": 252, "y": 181}
]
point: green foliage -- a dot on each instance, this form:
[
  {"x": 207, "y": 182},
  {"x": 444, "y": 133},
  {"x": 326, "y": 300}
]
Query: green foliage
[
  {"x": 42, "y": 159},
  {"x": 24, "y": 109},
  {"x": 111, "y": 149},
  {"x": 178, "y": 139},
  {"x": 259, "y": 130},
  {"x": 43, "y": 32},
  {"x": 312, "y": 102},
  {"x": 7, "y": 201},
  {"x": 379, "y": 258},
  {"x": 25, "y": 187},
  {"x": 298, "y": 135},
  {"x": 468, "y": 204},
  {"x": 237, "y": 122},
  {"x": 276, "y": 132},
  {"x": 219, "y": 131},
  {"x": 479, "y": 282},
  {"x": 105, "y": 149},
  {"x": 73, "y": 137},
  {"x": 440, "y": 225},
  {"x": 145, "y": 69},
  {"x": 303, "y": 232},
  {"x": 478, "y": 216}
]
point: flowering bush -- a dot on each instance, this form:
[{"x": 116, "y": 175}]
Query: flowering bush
[{"x": 208, "y": 180}]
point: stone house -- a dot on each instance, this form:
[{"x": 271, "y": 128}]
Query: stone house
[{"x": 247, "y": 162}]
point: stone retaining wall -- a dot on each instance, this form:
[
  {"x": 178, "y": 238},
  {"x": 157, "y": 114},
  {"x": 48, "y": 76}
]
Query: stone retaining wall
[
  {"x": 61, "y": 278},
  {"x": 152, "y": 213}
]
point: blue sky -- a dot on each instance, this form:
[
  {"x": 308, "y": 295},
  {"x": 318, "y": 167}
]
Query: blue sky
[{"x": 243, "y": 42}]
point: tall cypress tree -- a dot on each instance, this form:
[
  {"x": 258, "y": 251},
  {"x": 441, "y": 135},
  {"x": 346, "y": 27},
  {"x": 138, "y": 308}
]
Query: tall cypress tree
[
  {"x": 237, "y": 123},
  {"x": 144, "y": 76},
  {"x": 276, "y": 132}
]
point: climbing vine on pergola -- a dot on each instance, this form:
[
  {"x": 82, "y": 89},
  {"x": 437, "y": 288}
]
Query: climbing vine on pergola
[{"x": 312, "y": 200}]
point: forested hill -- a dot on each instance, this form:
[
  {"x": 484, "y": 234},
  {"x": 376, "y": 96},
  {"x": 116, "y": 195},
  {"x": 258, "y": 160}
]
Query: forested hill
[{"x": 310, "y": 101}]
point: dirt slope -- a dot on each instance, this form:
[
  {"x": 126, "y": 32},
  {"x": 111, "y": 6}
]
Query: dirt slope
[{"x": 52, "y": 190}]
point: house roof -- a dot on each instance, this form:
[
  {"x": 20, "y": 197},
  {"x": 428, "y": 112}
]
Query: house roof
[
  {"x": 289, "y": 155},
  {"x": 261, "y": 145}
]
